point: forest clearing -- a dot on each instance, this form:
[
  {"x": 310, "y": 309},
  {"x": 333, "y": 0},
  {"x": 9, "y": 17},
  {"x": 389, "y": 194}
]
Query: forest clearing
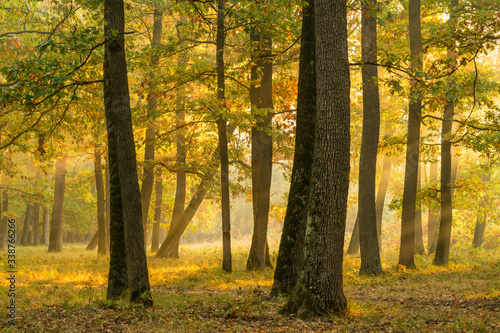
[
  {"x": 261, "y": 166},
  {"x": 65, "y": 292}
]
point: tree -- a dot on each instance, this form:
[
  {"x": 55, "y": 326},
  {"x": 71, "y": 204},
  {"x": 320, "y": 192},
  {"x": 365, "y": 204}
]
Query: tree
[
  {"x": 382, "y": 187},
  {"x": 123, "y": 166},
  {"x": 319, "y": 289},
  {"x": 223, "y": 147},
  {"x": 407, "y": 248},
  {"x": 149, "y": 149},
  {"x": 368, "y": 238},
  {"x": 446, "y": 217},
  {"x": 482, "y": 213},
  {"x": 56, "y": 226},
  {"x": 294, "y": 226},
  {"x": 261, "y": 100}
]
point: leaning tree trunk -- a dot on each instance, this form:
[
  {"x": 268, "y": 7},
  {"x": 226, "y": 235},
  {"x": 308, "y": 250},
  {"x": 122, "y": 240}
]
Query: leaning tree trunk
[
  {"x": 175, "y": 233},
  {"x": 102, "y": 247},
  {"x": 367, "y": 212},
  {"x": 155, "y": 242},
  {"x": 123, "y": 165},
  {"x": 262, "y": 145},
  {"x": 444, "y": 237},
  {"x": 149, "y": 150},
  {"x": 290, "y": 252},
  {"x": 482, "y": 213},
  {"x": 407, "y": 248},
  {"x": 382, "y": 187},
  {"x": 56, "y": 227},
  {"x": 180, "y": 187},
  {"x": 223, "y": 151},
  {"x": 94, "y": 241},
  {"x": 353, "y": 246},
  {"x": 319, "y": 290}
]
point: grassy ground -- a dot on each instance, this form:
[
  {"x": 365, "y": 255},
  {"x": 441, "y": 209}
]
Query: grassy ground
[{"x": 65, "y": 292}]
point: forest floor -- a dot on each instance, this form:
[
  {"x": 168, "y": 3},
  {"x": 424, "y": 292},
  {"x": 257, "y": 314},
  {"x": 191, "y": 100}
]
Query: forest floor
[{"x": 64, "y": 292}]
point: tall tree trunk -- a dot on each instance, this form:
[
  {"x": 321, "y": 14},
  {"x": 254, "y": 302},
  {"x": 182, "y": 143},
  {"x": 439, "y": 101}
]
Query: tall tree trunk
[
  {"x": 36, "y": 224},
  {"x": 444, "y": 237},
  {"x": 155, "y": 243},
  {"x": 353, "y": 247},
  {"x": 261, "y": 99},
  {"x": 368, "y": 236},
  {"x": 482, "y": 213},
  {"x": 123, "y": 164},
  {"x": 149, "y": 150},
  {"x": 319, "y": 290},
  {"x": 56, "y": 226},
  {"x": 290, "y": 252},
  {"x": 99, "y": 185},
  {"x": 419, "y": 239},
  {"x": 432, "y": 224},
  {"x": 46, "y": 226},
  {"x": 223, "y": 151},
  {"x": 407, "y": 248}
]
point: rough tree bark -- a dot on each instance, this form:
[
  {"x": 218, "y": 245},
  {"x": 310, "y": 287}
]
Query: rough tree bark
[
  {"x": 56, "y": 227},
  {"x": 444, "y": 236},
  {"x": 102, "y": 247},
  {"x": 319, "y": 290},
  {"x": 407, "y": 248},
  {"x": 123, "y": 164},
  {"x": 367, "y": 212},
  {"x": 290, "y": 252},
  {"x": 261, "y": 99}
]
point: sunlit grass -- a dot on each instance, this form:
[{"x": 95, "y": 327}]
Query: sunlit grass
[{"x": 193, "y": 293}]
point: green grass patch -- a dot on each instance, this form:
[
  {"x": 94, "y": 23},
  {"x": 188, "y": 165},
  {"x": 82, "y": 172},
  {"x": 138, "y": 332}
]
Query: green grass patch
[{"x": 65, "y": 292}]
